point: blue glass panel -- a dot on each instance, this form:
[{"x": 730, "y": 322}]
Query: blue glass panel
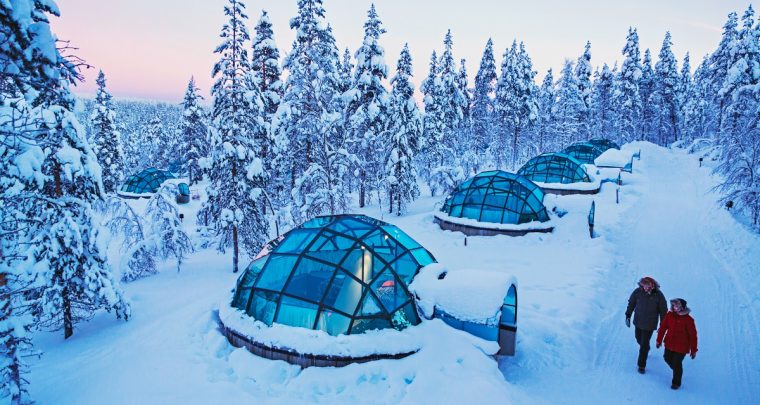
[
  {"x": 361, "y": 264},
  {"x": 401, "y": 236},
  {"x": 276, "y": 272},
  {"x": 310, "y": 279},
  {"x": 406, "y": 267},
  {"x": 472, "y": 212},
  {"x": 295, "y": 312},
  {"x": 491, "y": 215},
  {"x": 369, "y": 306},
  {"x": 405, "y": 316},
  {"x": 456, "y": 211},
  {"x": 388, "y": 290},
  {"x": 318, "y": 222},
  {"x": 487, "y": 332},
  {"x": 333, "y": 322},
  {"x": 263, "y": 306},
  {"x": 344, "y": 293},
  {"x": 508, "y": 315},
  {"x": 363, "y": 325},
  {"x": 422, "y": 256},
  {"x": 296, "y": 241}
]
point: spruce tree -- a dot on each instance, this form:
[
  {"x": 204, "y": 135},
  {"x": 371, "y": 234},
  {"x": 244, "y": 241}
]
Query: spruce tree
[
  {"x": 666, "y": 89},
  {"x": 406, "y": 128},
  {"x": 107, "y": 145},
  {"x": 194, "y": 132},
  {"x": 647, "y": 95},
  {"x": 367, "y": 108},
  {"x": 583, "y": 72},
  {"x": 684, "y": 91},
  {"x": 236, "y": 198},
  {"x": 310, "y": 108},
  {"x": 569, "y": 108},
  {"x": 432, "y": 145},
  {"x": 626, "y": 99},
  {"x": 266, "y": 66},
  {"x": 483, "y": 102},
  {"x": 545, "y": 127},
  {"x": 719, "y": 64}
]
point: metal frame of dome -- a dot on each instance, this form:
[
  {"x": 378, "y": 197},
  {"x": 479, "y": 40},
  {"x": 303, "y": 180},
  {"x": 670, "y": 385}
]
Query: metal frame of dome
[
  {"x": 584, "y": 152},
  {"x": 495, "y": 197},
  {"x": 144, "y": 183},
  {"x": 343, "y": 274},
  {"x": 604, "y": 143}
]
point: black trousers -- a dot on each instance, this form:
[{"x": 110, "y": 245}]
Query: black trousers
[
  {"x": 643, "y": 337},
  {"x": 675, "y": 361}
]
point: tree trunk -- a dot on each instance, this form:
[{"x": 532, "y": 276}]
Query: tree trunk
[
  {"x": 390, "y": 202},
  {"x": 68, "y": 323},
  {"x": 234, "y": 248},
  {"x": 514, "y": 146},
  {"x": 362, "y": 190}
]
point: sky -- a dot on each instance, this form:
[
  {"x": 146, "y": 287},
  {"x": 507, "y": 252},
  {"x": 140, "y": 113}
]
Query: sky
[{"x": 149, "y": 49}]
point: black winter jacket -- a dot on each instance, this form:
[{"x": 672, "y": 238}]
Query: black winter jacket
[{"x": 649, "y": 308}]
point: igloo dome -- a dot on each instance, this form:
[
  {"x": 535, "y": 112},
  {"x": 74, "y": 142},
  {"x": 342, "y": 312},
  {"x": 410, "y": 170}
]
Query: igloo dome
[{"x": 342, "y": 274}]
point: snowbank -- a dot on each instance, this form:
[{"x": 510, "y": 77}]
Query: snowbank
[
  {"x": 614, "y": 158},
  {"x": 466, "y": 294}
]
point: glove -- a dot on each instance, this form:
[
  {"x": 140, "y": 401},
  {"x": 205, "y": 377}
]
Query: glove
[
  {"x": 658, "y": 345},
  {"x": 693, "y": 355},
  {"x": 628, "y": 322}
]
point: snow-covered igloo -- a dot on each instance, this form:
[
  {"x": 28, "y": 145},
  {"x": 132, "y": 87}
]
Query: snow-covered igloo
[
  {"x": 495, "y": 202},
  {"x": 604, "y": 144},
  {"x": 559, "y": 173},
  {"x": 332, "y": 276}
]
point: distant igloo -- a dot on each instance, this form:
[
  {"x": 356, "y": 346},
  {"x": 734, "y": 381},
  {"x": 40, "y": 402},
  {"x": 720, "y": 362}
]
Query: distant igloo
[
  {"x": 559, "y": 173},
  {"x": 604, "y": 144},
  {"x": 584, "y": 152},
  {"x": 144, "y": 184},
  {"x": 495, "y": 202}
]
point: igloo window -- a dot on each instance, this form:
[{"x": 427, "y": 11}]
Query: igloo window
[
  {"x": 584, "y": 152},
  {"x": 146, "y": 182},
  {"x": 554, "y": 168}
]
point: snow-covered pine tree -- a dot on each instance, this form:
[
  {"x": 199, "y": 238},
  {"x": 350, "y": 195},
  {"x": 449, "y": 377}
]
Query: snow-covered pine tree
[
  {"x": 720, "y": 63},
  {"x": 516, "y": 99},
  {"x": 266, "y": 66},
  {"x": 433, "y": 148},
  {"x": 546, "y": 122},
  {"x": 739, "y": 139},
  {"x": 367, "y": 105},
  {"x": 311, "y": 104},
  {"x": 448, "y": 171},
  {"x": 469, "y": 159},
  {"x": 601, "y": 103},
  {"x": 194, "y": 132},
  {"x": 698, "y": 105},
  {"x": 345, "y": 72},
  {"x": 138, "y": 250},
  {"x": 406, "y": 128},
  {"x": 236, "y": 197},
  {"x": 569, "y": 107},
  {"x": 165, "y": 226},
  {"x": 583, "y": 72},
  {"x": 666, "y": 88},
  {"x": 649, "y": 111},
  {"x": 684, "y": 91},
  {"x": 483, "y": 103},
  {"x": 107, "y": 140},
  {"x": 155, "y": 144},
  {"x": 627, "y": 100}
]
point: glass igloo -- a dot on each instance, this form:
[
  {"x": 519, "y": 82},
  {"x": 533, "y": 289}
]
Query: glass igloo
[
  {"x": 554, "y": 168},
  {"x": 584, "y": 152},
  {"x": 604, "y": 144},
  {"x": 342, "y": 274},
  {"x": 145, "y": 183},
  {"x": 497, "y": 197}
]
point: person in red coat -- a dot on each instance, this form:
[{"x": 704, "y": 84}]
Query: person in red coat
[{"x": 680, "y": 335}]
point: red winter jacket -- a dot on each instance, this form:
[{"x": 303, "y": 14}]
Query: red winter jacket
[{"x": 679, "y": 332}]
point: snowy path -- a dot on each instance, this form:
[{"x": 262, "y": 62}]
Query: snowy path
[{"x": 676, "y": 234}]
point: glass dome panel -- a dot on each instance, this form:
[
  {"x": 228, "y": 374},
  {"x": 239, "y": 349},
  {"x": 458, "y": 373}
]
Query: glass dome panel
[
  {"x": 583, "y": 152},
  {"x": 554, "y": 168}
]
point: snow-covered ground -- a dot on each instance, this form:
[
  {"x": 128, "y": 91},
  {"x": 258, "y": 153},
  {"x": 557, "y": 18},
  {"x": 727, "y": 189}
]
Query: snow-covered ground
[{"x": 572, "y": 343}]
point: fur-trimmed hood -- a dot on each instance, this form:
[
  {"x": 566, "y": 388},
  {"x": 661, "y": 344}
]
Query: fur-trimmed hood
[{"x": 651, "y": 280}]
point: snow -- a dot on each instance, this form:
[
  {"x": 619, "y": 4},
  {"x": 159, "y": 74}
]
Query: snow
[
  {"x": 454, "y": 293},
  {"x": 614, "y": 158},
  {"x": 572, "y": 344}
]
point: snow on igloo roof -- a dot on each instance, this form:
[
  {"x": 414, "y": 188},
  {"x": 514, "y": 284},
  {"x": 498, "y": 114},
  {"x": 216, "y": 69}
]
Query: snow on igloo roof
[
  {"x": 554, "y": 168},
  {"x": 147, "y": 181},
  {"x": 498, "y": 197},
  {"x": 342, "y": 274}
]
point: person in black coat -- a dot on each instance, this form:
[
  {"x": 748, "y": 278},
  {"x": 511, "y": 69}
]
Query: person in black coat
[{"x": 648, "y": 306}]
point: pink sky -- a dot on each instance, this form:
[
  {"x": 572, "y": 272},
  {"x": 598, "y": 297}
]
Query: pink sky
[{"x": 148, "y": 49}]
